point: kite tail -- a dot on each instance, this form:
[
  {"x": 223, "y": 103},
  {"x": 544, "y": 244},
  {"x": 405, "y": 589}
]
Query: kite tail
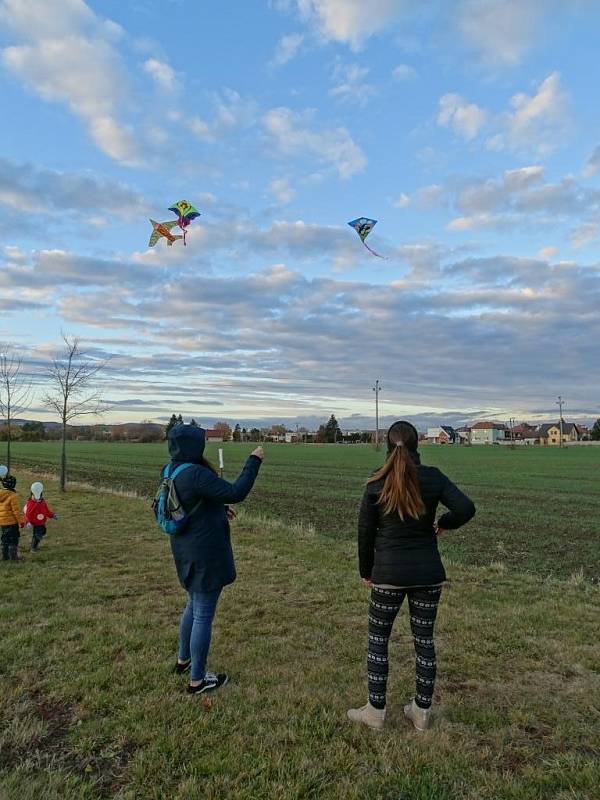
[{"x": 373, "y": 252}]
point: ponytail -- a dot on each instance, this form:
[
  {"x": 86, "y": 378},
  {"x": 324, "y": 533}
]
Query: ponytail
[{"x": 401, "y": 491}]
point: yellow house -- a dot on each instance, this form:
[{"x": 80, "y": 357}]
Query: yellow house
[{"x": 550, "y": 434}]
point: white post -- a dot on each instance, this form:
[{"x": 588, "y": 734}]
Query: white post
[{"x": 221, "y": 461}]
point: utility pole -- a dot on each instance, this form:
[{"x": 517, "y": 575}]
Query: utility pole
[
  {"x": 560, "y": 403},
  {"x": 377, "y": 389}
]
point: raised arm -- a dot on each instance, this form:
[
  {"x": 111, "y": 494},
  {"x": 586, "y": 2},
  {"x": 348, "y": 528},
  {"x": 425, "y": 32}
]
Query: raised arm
[
  {"x": 367, "y": 530},
  {"x": 212, "y": 487},
  {"x": 460, "y": 507}
]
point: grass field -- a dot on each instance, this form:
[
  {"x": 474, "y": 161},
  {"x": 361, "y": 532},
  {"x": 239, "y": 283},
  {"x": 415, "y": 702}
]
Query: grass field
[
  {"x": 537, "y": 508},
  {"x": 89, "y": 709}
]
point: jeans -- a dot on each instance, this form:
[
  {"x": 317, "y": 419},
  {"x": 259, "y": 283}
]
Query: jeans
[{"x": 195, "y": 630}]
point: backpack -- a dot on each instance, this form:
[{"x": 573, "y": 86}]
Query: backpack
[{"x": 168, "y": 510}]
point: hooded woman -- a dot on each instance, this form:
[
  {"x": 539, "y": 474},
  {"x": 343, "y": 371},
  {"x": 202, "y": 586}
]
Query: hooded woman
[
  {"x": 398, "y": 558},
  {"x": 202, "y": 551}
]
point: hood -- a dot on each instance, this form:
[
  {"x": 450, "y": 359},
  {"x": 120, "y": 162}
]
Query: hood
[
  {"x": 5, "y": 494},
  {"x": 186, "y": 443}
]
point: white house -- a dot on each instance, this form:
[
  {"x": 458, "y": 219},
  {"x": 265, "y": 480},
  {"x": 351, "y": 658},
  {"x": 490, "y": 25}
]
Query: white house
[
  {"x": 443, "y": 434},
  {"x": 487, "y": 432}
]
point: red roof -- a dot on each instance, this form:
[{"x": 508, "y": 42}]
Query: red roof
[{"x": 488, "y": 426}]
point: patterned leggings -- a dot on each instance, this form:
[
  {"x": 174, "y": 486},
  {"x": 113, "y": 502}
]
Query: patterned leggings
[{"x": 383, "y": 610}]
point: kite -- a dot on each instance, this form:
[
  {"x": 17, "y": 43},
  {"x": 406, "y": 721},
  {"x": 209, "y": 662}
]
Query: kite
[
  {"x": 185, "y": 214},
  {"x": 163, "y": 229},
  {"x": 363, "y": 227}
]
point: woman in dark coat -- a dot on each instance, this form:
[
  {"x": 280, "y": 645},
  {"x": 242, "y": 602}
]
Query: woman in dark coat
[
  {"x": 202, "y": 551},
  {"x": 398, "y": 558}
]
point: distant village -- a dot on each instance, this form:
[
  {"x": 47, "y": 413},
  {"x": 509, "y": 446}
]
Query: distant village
[{"x": 547, "y": 434}]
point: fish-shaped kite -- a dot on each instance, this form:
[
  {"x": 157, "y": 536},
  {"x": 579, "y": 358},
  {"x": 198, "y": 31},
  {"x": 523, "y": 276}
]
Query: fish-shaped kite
[
  {"x": 363, "y": 226},
  {"x": 163, "y": 229},
  {"x": 185, "y": 214}
]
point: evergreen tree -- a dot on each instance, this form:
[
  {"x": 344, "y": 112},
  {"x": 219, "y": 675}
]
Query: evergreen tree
[
  {"x": 596, "y": 431},
  {"x": 180, "y": 420},
  {"x": 171, "y": 423},
  {"x": 237, "y": 434},
  {"x": 194, "y": 423},
  {"x": 332, "y": 431}
]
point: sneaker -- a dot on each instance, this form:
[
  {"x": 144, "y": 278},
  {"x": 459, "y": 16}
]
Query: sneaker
[
  {"x": 369, "y": 715},
  {"x": 209, "y": 684},
  {"x": 180, "y": 668},
  {"x": 420, "y": 717}
]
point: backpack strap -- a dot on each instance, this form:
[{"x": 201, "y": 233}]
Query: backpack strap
[{"x": 177, "y": 471}]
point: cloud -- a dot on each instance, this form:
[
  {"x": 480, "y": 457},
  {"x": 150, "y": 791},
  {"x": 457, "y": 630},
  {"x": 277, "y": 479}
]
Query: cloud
[
  {"x": 161, "y": 73},
  {"x": 68, "y": 56},
  {"x": 25, "y": 187},
  {"x": 593, "y": 163},
  {"x": 292, "y": 134},
  {"x": 319, "y": 337},
  {"x": 48, "y": 271},
  {"x": 350, "y": 21},
  {"x": 350, "y": 83},
  {"x": 282, "y": 190},
  {"x": 501, "y": 31},
  {"x": 231, "y": 112},
  {"x": 402, "y": 201},
  {"x": 547, "y": 253},
  {"x": 536, "y": 123},
  {"x": 287, "y": 49},
  {"x": 404, "y": 72},
  {"x": 466, "y": 119}
]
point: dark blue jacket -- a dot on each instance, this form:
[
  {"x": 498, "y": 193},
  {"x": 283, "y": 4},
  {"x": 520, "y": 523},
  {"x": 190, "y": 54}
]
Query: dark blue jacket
[{"x": 202, "y": 551}]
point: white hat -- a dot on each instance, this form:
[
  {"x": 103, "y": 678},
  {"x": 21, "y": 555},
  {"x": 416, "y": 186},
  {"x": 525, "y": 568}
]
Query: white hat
[
  {"x": 37, "y": 489},
  {"x": 3, "y": 471}
]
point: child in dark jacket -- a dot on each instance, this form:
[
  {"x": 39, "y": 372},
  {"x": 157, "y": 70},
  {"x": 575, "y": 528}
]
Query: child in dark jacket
[
  {"x": 37, "y": 513},
  {"x": 10, "y": 518}
]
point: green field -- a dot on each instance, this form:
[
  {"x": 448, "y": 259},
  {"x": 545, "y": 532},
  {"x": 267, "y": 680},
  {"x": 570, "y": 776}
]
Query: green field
[
  {"x": 537, "y": 508},
  {"x": 89, "y": 709}
]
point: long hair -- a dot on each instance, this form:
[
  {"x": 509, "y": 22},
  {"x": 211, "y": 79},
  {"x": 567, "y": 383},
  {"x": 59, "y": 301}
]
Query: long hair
[{"x": 401, "y": 492}]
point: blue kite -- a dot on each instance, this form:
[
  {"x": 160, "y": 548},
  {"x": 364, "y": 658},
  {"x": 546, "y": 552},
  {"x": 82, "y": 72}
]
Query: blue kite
[{"x": 363, "y": 226}]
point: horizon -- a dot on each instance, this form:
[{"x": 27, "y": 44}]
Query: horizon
[{"x": 465, "y": 128}]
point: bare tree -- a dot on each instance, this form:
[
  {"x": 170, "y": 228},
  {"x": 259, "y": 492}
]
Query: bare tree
[
  {"x": 72, "y": 375},
  {"x": 15, "y": 391}
]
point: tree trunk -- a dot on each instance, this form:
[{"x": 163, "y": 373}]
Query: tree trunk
[
  {"x": 63, "y": 459},
  {"x": 8, "y": 437}
]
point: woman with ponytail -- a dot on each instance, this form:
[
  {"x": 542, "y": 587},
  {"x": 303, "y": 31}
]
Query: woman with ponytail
[{"x": 398, "y": 558}]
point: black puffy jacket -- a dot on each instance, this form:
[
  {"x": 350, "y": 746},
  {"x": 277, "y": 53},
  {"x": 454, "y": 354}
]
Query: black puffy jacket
[
  {"x": 405, "y": 553},
  {"x": 202, "y": 551}
]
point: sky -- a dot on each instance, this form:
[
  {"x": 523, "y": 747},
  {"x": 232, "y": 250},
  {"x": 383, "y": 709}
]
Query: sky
[{"x": 470, "y": 129}]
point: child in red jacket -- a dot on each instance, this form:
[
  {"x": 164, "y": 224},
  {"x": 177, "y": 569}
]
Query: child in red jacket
[{"x": 37, "y": 513}]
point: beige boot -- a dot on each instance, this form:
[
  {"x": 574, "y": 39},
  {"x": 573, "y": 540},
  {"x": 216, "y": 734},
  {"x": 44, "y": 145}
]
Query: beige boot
[
  {"x": 368, "y": 715},
  {"x": 420, "y": 717}
]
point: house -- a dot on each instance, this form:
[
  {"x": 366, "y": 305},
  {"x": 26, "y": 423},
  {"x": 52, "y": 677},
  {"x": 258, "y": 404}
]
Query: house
[
  {"x": 464, "y": 435},
  {"x": 443, "y": 434},
  {"x": 213, "y": 436},
  {"x": 549, "y": 433},
  {"x": 488, "y": 432},
  {"x": 523, "y": 434}
]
